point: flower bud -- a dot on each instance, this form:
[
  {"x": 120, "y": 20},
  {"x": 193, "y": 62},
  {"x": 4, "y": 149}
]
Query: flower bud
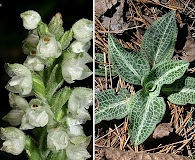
[
  {"x": 14, "y": 117},
  {"x": 30, "y": 19},
  {"x": 21, "y": 81},
  {"x": 82, "y": 30},
  {"x": 19, "y": 105},
  {"x": 14, "y": 140},
  {"x": 48, "y": 47},
  {"x": 57, "y": 139},
  {"x": 78, "y": 46}
]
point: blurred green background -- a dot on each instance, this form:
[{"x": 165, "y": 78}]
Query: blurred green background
[{"x": 12, "y": 33}]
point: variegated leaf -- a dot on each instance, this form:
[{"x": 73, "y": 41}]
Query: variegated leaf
[
  {"x": 158, "y": 43},
  {"x": 145, "y": 113},
  {"x": 186, "y": 94},
  {"x": 130, "y": 65},
  {"x": 111, "y": 105}
]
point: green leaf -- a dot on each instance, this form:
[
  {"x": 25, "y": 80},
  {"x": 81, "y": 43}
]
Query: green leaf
[
  {"x": 145, "y": 113},
  {"x": 158, "y": 43},
  {"x": 165, "y": 72},
  {"x": 54, "y": 82},
  {"x": 102, "y": 69},
  {"x": 32, "y": 149},
  {"x": 58, "y": 155},
  {"x": 60, "y": 98},
  {"x": 66, "y": 39},
  {"x": 112, "y": 106},
  {"x": 57, "y": 102},
  {"x": 175, "y": 87},
  {"x": 186, "y": 94},
  {"x": 38, "y": 86},
  {"x": 130, "y": 65}
]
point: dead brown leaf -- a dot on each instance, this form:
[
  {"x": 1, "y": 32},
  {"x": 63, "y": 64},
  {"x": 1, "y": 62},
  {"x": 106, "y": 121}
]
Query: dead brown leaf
[
  {"x": 116, "y": 22},
  {"x": 188, "y": 51},
  {"x": 116, "y": 154},
  {"x": 101, "y": 6},
  {"x": 162, "y": 130}
]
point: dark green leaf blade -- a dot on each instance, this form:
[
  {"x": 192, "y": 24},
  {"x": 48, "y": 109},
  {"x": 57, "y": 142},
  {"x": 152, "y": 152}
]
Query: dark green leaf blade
[
  {"x": 130, "y": 65},
  {"x": 145, "y": 113},
  {"x": 158, "y": 43},
  {"x": 112, "y": 106},
  {"x": 186, "y": 95}
]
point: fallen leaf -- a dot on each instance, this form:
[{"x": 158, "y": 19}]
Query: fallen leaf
[
  {"x": 116, "y": 22},
  {"x": 162, "y": 130},
  {"x": 186, "y": 53},
  {"x": 116, "y": 154},
  {"x": 101, "y": 6},
  {"x": 189, "y": 49}
]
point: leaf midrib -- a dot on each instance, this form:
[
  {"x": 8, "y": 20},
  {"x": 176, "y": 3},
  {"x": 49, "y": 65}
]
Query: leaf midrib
[
  {"x": 158, "y": 50},
  {"x": 141, "y": 125}
]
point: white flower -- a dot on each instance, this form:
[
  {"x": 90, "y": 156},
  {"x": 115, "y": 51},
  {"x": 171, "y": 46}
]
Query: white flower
[
  {"x": 21, "y": 81},
  {"x": 19, "y": 105},
  {"x": 75, "y": 129},
  {"x": 30, "y": 19},
  {"x": 79, "y": 101},
  {"x": 30, "y": 43},
  {"x": 82, "y": 30},
  {"x": 14, "y": 140},
  {"x": 74, "y": 67},
  {"x": 48, "y": 47},
  {"x": 37, "y": 115},
  {"x": 77, "y": 152},
  {"x": 78, "y": 46},
  {"x": 34, "y": 63},
  {"x": 57, "y": 139}
]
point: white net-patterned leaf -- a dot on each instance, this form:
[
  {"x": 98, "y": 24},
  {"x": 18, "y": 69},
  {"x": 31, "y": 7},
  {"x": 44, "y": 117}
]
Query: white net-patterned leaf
[
  {"x": 165, "y": 72},
  {"x": 111, "y": 105},
  {"x": 130, "y": 65},
  {"x": 145, "y": 113},
  {"x": 186, "y": 94},
  {"x": 159, "y": 40}
]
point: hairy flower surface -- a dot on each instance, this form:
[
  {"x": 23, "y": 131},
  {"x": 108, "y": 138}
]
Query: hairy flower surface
[{"x": 14, "y": 140}]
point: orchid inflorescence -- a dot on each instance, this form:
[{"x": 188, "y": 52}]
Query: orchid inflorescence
[{"x": 39, "y": 96}]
